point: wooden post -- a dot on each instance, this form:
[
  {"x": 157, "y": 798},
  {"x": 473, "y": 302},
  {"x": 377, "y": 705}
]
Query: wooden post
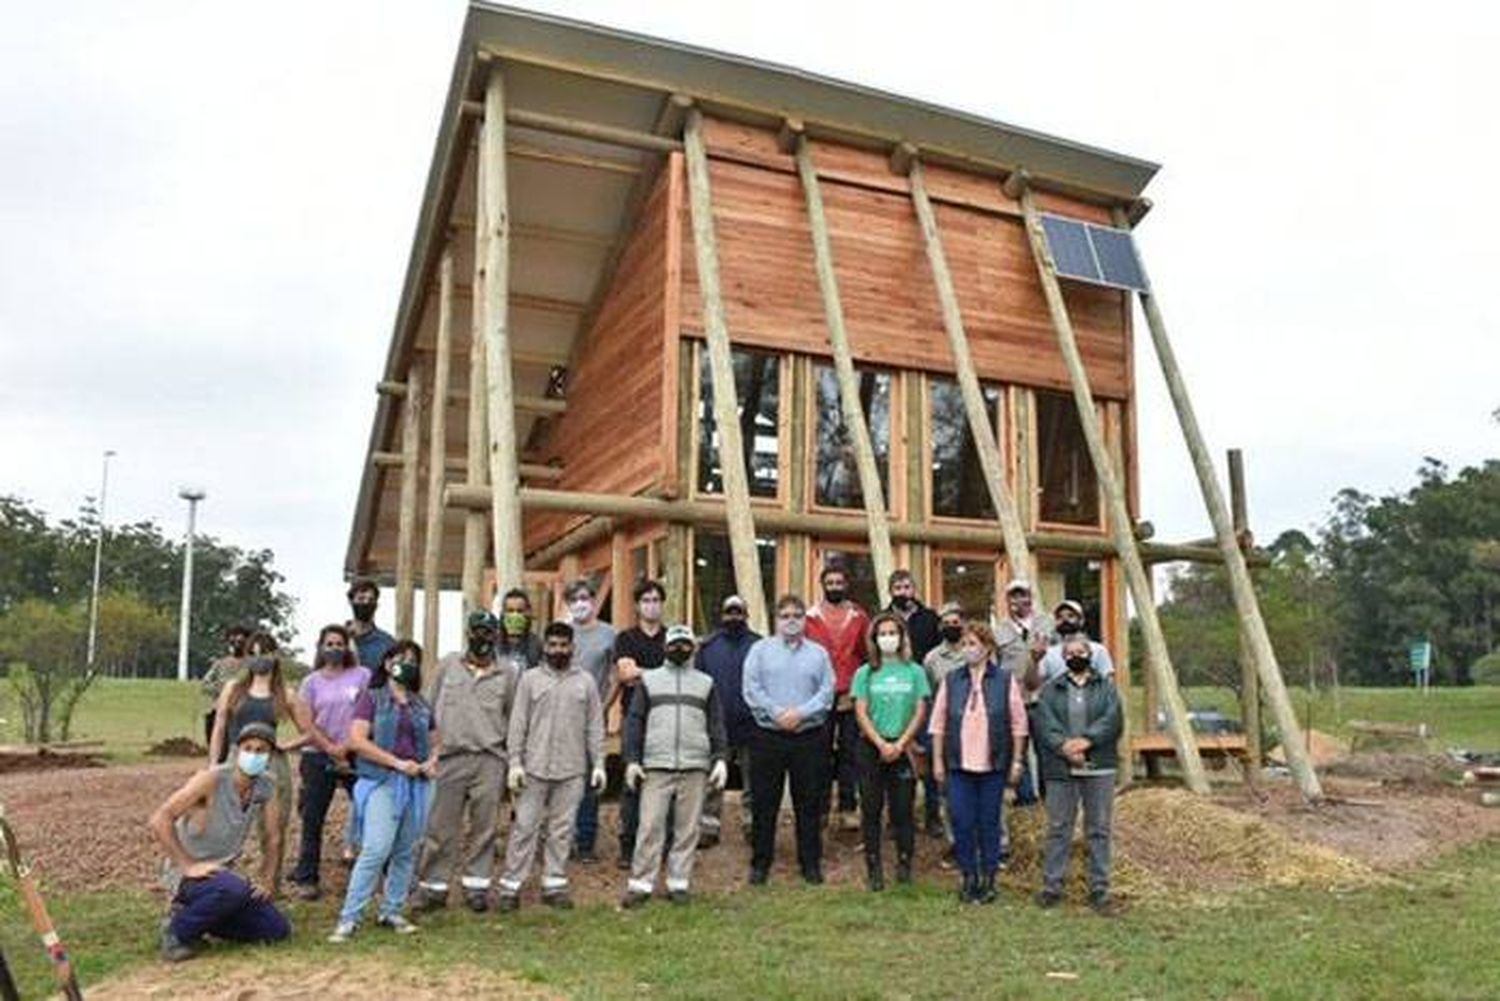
[
  {"x": 437, "y": 451},
  {"x": 1016, "y": 549},
  {"x": 1249, "y": 679},
  {"x": 406, "y": 530},
  {"x": 505, "y": 503},
  {"x": 1242, "y": 589},
  {"x": 796, "y": 542},
  {"x": 917, "y": 476},
  {"x": 843, "y": 366},
  {"x": 1120, "y": 525},
  {"x": 721, "y": 367}
]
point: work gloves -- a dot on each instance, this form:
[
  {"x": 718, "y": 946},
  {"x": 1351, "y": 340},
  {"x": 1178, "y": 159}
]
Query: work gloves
[
  {"x": 515, "y": 778},
  {"x": 718, "y": 775}
]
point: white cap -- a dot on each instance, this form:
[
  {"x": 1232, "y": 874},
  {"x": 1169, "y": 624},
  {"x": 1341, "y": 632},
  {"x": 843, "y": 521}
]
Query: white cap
[{"x": 1018, "y": 584}]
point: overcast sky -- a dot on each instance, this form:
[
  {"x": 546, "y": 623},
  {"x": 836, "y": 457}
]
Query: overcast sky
[{"x": 206, "y": 210}]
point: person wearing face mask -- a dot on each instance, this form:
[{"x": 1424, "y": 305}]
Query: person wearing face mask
[
  {"x": 593, "y": 649},
  {"x": 371, "y": 643},
  {"x": 638, "y": 649},
  {"x": 261, "y": 695},
  {"x": 979, "y": 732},
  {"x": 202, "y": 827},
  {"x": 890, "y": 702},
  {"x": 921, "y": 622},
  {"x": 674, "y": 751},
  {"x": 839, "y": 625},
  {"x": 516, "y": 642},
  {"x": 1023, "y": 636},
  {"x": 940, "y": 661},
  {"x": 556, "y": 745},
  {"x": 788, "y": 685},
  {"x": 1079, "y": 720},
  {"x": 722, "y": 657},
  {"x": 329, "y": 693},
  {"x": 1070, "y": 619},
  {"x": 471, "y": 698},
  {"x": 222, "y": 671},
  {"x": 396, "y": 745}
]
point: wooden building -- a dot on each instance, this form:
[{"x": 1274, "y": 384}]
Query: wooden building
[{"x": 717, "y": 322}]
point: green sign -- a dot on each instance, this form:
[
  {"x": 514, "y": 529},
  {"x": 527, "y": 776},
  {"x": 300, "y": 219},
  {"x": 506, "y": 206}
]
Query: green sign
[{"x": 1421, "y": 655}]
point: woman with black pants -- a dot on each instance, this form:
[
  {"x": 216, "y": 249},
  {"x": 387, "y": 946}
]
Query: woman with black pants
[{"x": 889, "y": 694}]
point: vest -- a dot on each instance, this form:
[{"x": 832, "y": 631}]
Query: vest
[
  {"x": 677, "y": 719},
  {"x": 383, "y": 729},
  {"x": 996, "y": 685}
]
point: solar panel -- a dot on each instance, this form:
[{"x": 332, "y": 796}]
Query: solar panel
[{"x": 1099, "y": 255}]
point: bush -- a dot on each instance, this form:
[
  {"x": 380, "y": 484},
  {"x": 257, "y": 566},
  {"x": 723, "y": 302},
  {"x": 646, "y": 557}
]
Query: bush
[{"x": 1486, "y": 670}]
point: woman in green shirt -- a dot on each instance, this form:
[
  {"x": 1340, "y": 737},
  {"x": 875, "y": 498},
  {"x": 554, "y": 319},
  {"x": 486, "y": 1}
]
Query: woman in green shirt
[{"x": 889, "y": 693}]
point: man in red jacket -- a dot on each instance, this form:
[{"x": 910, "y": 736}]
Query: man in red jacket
[{"x": 839, "y": 625}]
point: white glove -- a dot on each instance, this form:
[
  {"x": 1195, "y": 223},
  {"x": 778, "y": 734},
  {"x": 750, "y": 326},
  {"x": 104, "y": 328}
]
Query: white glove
[
  {"x": 633, "y": 775},
  {"x": 718, "y": 775},
  {"x": 515, "y": 778},
  {"x": 596, "y": 780}
]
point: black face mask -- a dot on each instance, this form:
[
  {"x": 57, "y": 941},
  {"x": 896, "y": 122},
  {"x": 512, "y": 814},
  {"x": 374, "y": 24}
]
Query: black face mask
[
  {"x": 951, "y": 634},
  {"x": 262, "y": 664},
  {"x": 559, "y": 661},
  {"x": 1079, "y": 665},
  {"x": 482, "y": 646},
  {"x": 1069, "y": 628},
  {"x": 905, "y": 602},
  {"x": 330, "y": 657},
  {"x": 835, "y": 595},
  {"x": 364, "y": 611},
  {"x": 734, "y": 627},
  {"x": 679, "y": 654},
  {"x": 237, "y": 648}
]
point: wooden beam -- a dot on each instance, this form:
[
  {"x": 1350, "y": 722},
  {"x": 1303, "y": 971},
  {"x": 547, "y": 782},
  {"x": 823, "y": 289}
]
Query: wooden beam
[
  {"x": 1249, "y": 679},
  {"x": 505, "y": 507},
  {"x": 564, "y": 158},
  {"x": 578, "y": 538},
  {"x": 533, "y": 231},
  {"x": 525, "y": 403},
  {"x": 459, "y": 464},
  {"x": 903, "y": 155},
  {"x": 1120, "y": 524},
  {"x": 437, "y": 447},
  {"x": 476, "y": 469},
  {"x": 721, "y": 366},
  {"x": 533, "y": 303},
  {"x": 843, "y": 366},
  {"x": 611, "y": 135},
  {"x": 406, "y": 525},
  {"x": 975, "y": 408}
]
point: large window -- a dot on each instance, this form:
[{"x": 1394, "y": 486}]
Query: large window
[
  {"x": 1069, "y": 488},
  {"x": 836, "y": 475},
  {"x": 860, "y": 570},
  {"x": 970, "y": 581},
  {"x": 958, "y": 486},
  {"x": 757, "y": 386},
  {"x": 713, "y": 576}
]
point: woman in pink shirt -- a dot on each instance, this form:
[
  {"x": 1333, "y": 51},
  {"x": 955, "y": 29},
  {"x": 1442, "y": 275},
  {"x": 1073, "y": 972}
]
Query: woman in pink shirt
[{"x": 978, "y": 743}]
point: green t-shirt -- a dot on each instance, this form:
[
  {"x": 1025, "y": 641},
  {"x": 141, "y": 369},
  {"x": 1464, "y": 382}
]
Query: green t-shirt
[{"x": 891, "y": 694}]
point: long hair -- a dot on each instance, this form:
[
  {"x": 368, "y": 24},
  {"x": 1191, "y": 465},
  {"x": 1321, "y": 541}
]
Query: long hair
[
  {"x": 981, "y": 631},
  {"x": 873, "y": 656},
  {"x": 262, "y": 644},
  {"x": 414, "y": 686}
]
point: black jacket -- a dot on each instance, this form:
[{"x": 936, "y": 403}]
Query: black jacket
[{"x": 1105, "y": 721}]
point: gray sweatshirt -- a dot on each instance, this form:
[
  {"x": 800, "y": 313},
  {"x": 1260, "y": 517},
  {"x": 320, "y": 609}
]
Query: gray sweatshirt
[{"x": 556, "y": 723}]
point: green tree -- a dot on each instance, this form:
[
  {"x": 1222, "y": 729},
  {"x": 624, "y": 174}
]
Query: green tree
[{"x": 42, "y": 647}]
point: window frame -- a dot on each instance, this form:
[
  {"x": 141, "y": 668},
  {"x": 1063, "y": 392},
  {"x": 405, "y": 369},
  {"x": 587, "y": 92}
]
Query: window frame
[
  {"x": 895, "y": 453},
  {"x": 783, "y": 425}
]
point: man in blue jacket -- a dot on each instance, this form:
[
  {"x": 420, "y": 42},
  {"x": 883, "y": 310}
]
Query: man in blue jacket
[{"x": 722, "y": 657}]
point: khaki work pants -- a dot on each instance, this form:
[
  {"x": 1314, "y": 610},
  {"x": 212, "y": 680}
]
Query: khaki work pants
[
  {"x": 659, "y": 789},
  {"x": 543, "y": 809},
  {"x": 468, "y": 783}
]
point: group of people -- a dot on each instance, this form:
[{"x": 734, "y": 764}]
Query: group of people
[{"x": 852, "y": 710}]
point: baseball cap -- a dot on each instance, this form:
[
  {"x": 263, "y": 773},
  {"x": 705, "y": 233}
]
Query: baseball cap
[
  {"x": 264, "y": 731},
  {"x": 733, "y": 601},
  {"x": 680, "y": 634},
  {"x": 1069, "y": 603},
  {"x": 1018, "y": 584}
]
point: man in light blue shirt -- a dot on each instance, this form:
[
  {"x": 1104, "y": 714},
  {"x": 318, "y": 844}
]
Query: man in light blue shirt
[
  {"x": 788, "y": 685},
  {"x": 1069, "y": 616}
]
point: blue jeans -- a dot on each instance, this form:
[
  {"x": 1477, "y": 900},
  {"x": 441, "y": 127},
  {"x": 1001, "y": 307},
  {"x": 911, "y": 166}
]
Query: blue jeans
[
  {"x": 586, "y": 821},
  {"x": 974, "y": 803},
  {"x": 224, "y": 906},
  {"x": 393, "y": 816}
]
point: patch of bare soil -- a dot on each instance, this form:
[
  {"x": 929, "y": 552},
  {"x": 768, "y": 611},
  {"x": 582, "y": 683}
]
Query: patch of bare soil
[
  {"x": 267, "y": 976},
  {"x": 47, "y": 760},
  {"x": 178, "y": 747}
]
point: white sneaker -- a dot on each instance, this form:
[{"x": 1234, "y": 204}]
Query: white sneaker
[
  {"x": 398, "y": 924},
  {"x": 343, "y": 932}
]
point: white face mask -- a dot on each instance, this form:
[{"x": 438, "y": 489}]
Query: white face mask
[
  {"x": 888, "y": 644},
  {"x": 976, "y": 655},
  {"x": 792, "y": 628},
  {"x": 253, "y": 763},
  {"x": 581, "y": 609}
]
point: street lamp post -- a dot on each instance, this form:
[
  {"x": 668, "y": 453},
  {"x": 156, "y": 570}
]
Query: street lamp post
[
  {"x": 192, "y": 495},
  {"x": 98, "y": 561}
]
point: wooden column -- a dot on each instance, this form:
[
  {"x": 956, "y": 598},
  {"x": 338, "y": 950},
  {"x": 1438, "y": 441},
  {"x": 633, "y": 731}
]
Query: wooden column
[
  {"x": 721, "y": 367},
  {"x": 917, "y": 477},
  {"x": 1157, "y": 658},
  {"x": 437, "y": 451},
  {"x": 476, "y": 470},
  {"x": 1121, "y": 621},
  {"x": 505, "y": 503},
  {"x": 1249, "y": 679},
  {"x": 1016, "y": 549},
  {"x": 1242, "y": 589},
  {"x": 843, "y": 366},
  {"x": 406, "y": 530},
  {"x": 796, "y": 542}
]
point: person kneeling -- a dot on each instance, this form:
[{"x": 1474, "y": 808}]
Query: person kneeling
[
  {"x": 202, "y": 826},
  {"x": 674, "y": 749}
]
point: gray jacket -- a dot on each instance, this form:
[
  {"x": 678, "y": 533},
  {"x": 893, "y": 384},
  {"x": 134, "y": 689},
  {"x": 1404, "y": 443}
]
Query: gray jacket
[
  {"x": 556, "y": 724},
  {"x": 473, "y": 711},
  {"x": 675, "y": 721}
]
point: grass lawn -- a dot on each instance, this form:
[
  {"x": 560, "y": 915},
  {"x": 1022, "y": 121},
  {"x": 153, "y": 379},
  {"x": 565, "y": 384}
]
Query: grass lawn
[
  {"x": 128, "y": 714},
  {"x": 1430, "y": 938}
]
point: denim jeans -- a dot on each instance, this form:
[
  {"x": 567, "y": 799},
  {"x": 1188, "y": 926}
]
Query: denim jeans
[
  {"x": 1096, "y": 794},
  {"x": 393, "y": 814},
  {"x": 974, "y": 804},
  {"x": 224, "y": 906}
]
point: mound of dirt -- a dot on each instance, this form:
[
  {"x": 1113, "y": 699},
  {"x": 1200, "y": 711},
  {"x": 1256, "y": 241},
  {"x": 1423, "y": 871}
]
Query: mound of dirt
[
  {"x": 177, "y": 747},
  {"x": 45, "y": 759},
  {"x": 1396, "y": 769}
]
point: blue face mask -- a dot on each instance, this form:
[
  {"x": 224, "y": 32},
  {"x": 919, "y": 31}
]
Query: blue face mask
[{"x": 253, "y": 763}]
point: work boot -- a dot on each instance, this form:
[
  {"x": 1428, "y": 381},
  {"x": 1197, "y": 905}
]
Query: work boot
[
  {"x": 477, "y": 900},
  {"x": 903, "y": 869},
  {"x": 967, "y": 889},
  {"x": 874, "y": 875},
  {"x": 559, "y": 899},
  {"x": 429, "y": 900},
  {"x": 678, "y": 896},
  {"x": 1048, "y": 899},
  {"x": 634, "y": 899},
  {"x": 508, "y": 903},
  {"x": 984, "y": 891},
  {"x": 173, "y": 949},
  {"x": 758, "y": 876},
  {"x": 1102, "y": 904}
]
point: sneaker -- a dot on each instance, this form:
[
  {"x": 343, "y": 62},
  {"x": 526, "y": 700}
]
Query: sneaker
[
  {"x": 1048, "y": 899},
  {"x": 677, "y": 896},
  {"x": 477, "y": 901},
  {"x": 397, "y": 924},
  {"x": 634, "y": 899},
  {"x": 849, "y": 820},
  {"x": 813, "y": 875},
  {"x": 903, "y": 871},
  {"x": 342, "y": 932},
  {"x": 508, "y": 903},
  {"x": 559, "y": 899},
  {"x": 759, "y": 876},
  {"x": 173, "y": 949},
  {"x": 585, "y": 856},
  {"x": 306, "y": 891},
  {"x": 348, "y": 858},
  {"x": 1102, "y": 904}
]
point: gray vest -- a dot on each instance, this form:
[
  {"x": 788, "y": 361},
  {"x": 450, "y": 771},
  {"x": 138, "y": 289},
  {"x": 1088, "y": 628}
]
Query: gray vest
[
  {"x": 225, "y": 823},
  {"x": 677, "y": 723}
]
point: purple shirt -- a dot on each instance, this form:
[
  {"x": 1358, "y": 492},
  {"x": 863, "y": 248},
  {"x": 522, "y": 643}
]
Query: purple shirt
[
  {"x": 405, "y": 744},
  {"x": 331, "y": 697}
]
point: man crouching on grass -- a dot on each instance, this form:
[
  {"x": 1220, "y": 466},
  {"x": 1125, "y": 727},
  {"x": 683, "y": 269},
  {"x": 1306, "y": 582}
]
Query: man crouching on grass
[{"x": 202, "y": 826}]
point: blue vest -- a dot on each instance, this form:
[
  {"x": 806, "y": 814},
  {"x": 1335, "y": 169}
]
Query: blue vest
[
  {"x": 996, "y": 687},
  {"x": 383, "y": 729}
]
